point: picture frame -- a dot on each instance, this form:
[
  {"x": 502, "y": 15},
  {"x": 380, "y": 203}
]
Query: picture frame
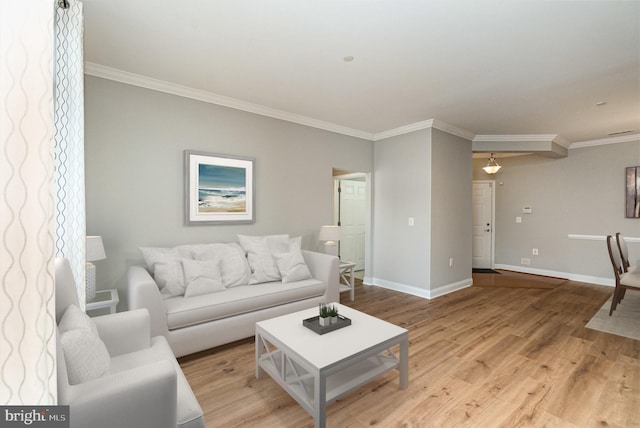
[
  {"x": 632, "y": 196},
  {"x": 219, "y": 189}
]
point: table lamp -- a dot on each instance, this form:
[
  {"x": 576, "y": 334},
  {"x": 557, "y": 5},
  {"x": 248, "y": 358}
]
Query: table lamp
[
  {"x": 95, "y": 251},
  {"x": 330, "y": 235}
]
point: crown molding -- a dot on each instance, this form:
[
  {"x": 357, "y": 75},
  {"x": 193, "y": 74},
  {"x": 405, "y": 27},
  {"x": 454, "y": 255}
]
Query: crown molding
[
  {"x": 412, "y": 127},
  {"x": 121, "y": 76},
  {"x": 459, "y": 132},
  {"x": 605, "y": 141},
  {"x": 543, "y": 138},
  {"x": 431, "y": 123}
]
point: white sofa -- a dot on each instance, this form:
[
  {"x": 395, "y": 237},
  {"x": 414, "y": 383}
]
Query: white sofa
[
  {"x": 195, "y": 323},
  {"x": 121, "y": 377}
]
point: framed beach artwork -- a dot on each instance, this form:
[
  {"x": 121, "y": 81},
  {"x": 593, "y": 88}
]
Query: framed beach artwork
[
  {"x": 633, "y": 192},
  {"x": 219, "y": 189}
]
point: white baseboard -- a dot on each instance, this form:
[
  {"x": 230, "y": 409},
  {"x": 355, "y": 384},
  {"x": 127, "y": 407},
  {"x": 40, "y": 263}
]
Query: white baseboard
[
  {"x": 420, "y": 292},
  {"x": 450, "y": 288},
  {"x": 571, "y": 276}
]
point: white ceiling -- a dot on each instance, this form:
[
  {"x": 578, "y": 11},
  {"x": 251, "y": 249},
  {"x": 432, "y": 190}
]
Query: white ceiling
[{"x": 488, "y": 67}]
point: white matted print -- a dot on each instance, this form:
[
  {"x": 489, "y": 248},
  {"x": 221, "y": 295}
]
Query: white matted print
[{"x": 218, "y": 189}]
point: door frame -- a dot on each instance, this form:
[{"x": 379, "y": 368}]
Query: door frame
[
  {"x": 493, "y": 218},
  {"x": 367, "y": 215}
]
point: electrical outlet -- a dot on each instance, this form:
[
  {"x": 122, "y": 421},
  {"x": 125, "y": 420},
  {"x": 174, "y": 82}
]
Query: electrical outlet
[
  {"x": 518, "y": 219},
  {"x": 451, "y": 262},
  {"x": 525, "y": 261},
  {"x": 411, "y": 221},
  {"x": 534, "y": 251}
]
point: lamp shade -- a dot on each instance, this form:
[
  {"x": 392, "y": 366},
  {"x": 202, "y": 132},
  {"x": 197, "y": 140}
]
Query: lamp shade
[
  {"x": 492, "y": 166},
  {"x": 95, "y": 249},
  {"x": 330, "y": 233}
]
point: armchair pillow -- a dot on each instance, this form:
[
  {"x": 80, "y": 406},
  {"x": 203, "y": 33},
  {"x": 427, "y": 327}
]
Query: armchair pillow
[{"x": 86, "y": 355}]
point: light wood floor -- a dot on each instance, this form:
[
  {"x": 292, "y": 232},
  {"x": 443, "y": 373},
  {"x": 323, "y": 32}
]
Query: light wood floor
[{"x": 480, "y": 357}]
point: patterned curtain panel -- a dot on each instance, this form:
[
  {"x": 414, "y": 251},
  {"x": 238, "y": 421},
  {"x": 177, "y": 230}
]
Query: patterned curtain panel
[
  {"x": 27, "y": 313},
  {"x": 69, "y": 140}
]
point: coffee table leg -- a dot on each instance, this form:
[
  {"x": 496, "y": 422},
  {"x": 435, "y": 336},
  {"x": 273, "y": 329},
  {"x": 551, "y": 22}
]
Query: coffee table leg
[
  {"x": 404, "y": 363},
  {"x": 259, "y": 352},
  {"x": 320, "y": 401}
]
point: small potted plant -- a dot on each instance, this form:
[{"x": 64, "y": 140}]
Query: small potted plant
[
  {"x": 325, "y": 315},
  {"x": 333, "y": 313}
]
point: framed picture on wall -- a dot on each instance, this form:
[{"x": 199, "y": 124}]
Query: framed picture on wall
[
  {"x": 219, "y": 189},
  {"x": 633, "y": 192}
]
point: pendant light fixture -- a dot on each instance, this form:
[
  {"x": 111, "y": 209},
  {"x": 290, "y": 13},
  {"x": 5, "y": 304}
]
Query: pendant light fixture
[{"x": 492, "y": 167}]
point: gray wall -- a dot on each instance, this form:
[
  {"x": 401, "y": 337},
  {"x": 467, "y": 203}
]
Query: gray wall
[
  {"x": 135, "y": 140},
  {"x": 580, "y": 194},
  {"x": 402, "y": 189},
  {"x": 425, "y": 175},
  {"x": 451, "y": 212}
]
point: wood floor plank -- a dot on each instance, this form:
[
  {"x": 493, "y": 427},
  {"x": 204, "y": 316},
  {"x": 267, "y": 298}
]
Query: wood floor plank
[{"x": 479, "y": 357}]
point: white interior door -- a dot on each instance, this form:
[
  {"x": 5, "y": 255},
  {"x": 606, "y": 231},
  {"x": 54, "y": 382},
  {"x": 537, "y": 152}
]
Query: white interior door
[
  {"x": 483, "y": 233},
  {"x": 352, "y": 210}
]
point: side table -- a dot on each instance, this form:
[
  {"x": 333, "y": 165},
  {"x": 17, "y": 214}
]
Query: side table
[
  {"x": 347, "y": 284},
  {"x": 104, "y": 299}
]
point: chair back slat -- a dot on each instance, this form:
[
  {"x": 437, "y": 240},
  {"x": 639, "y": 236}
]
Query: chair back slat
[
  {"x": 614, "y": 256},
  {"x": 624, "y": 251}
]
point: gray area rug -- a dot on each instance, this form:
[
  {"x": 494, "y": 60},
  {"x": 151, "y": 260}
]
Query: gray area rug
[{"x": 625, "y": 320}]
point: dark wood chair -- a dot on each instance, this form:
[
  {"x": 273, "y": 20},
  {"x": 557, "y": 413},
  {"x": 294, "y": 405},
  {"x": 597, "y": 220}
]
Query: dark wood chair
[
  {"x": 624, "y": 254},
  {"x": 624, "y": 280}
]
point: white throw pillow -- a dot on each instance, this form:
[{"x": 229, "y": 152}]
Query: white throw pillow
[
  {"x": 273, "y": 243},
  {"x": 292, "y": 266},
  {"x": 74, "y": 318},
  {"x": 234, "y": 267},
  {"x": 85, "y": 354},
  {"x": 154, "y": 255},
  {"x": 260, "y": 251},
  {"x": 201, "y": 277},
  {"x": 295, "y": 243},
  {"x": 170, "y": 278},
  {"x": 263, "y": 267}
]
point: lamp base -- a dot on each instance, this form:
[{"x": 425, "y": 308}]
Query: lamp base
[
  {"x": 331, "y": 248},
  {"x": 91, "y": 281}
]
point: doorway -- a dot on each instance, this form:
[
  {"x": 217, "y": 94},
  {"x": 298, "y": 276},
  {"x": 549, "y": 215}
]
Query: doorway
[
  {"x": 351, "y": 212},
  {"x": 483, "y": 239}
]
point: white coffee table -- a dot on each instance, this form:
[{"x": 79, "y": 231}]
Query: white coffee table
[{"x": 318, "y": 369}]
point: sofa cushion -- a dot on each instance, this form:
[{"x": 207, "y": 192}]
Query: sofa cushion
[
  {"x": 184, "y": 312},
  {"x": 234, "y": 268},
  {"x": 292, "y": 266},
  {"x": 201, "y": 277}
]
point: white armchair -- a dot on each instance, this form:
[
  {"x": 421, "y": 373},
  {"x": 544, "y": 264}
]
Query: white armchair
[{"x": 143, "y": 386}]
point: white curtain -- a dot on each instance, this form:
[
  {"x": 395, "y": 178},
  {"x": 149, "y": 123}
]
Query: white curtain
[
  {"x": 69, "y": 140},
  {"x": 27, "y": 313}
]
